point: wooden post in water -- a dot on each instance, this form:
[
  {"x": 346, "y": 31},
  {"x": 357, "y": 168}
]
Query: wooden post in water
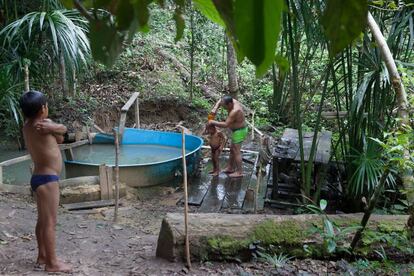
[
  {"x": 116, "y": 175},
  {"x": 187, "y": 243},
  {"x": 137, "y": 122}
]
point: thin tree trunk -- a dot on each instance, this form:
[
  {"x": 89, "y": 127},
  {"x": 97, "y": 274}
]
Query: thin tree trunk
[
  {"x": 192, "y": 53},
  {"x": 62, "y": 69},
  {"x": 370, "y": 208},
  {"x": 402, "y": 103},
  {"x": 232, "y": 70},
  {"x": 73, "y": 83},
  {"x": 26, "y": 78}
]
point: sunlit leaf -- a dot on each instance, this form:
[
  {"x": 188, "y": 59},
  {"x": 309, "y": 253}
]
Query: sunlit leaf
[
  {"x": 322, "y": 204},
  {"x": 253, "y": 27},
  {"x": 343, "y": 21},
  {"x": 282, "y": 63},
  {"x": 207, "y": 8}
]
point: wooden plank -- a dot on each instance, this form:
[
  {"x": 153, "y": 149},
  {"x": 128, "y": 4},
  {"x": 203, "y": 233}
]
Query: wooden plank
[
  {"x": 228, "y": 149},
  {"x": 103, "y": 182},
  {"x": 197, "y": 191},
  {"x": 15, "y": 160},
  {"x": 69, "y": 154},
  {"x": 73, "y": 145},
  {"x": 235, "y": 192},
  {"x": 122, "y": 124},
  {"x": 137, "y": 120},
  {"x": 236, "y": 188},
  {"x": 198, "y": 187},
  {"x": 109, "y": 181},
  {"x": 89, "y": 204},
  {"x": 214, "y": 198},
  {"x": 129, "y": 103}
]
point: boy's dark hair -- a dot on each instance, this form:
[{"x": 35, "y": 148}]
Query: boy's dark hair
[
  {"x": 31, "y": 103},
  {"x": 227, "y": 100}
]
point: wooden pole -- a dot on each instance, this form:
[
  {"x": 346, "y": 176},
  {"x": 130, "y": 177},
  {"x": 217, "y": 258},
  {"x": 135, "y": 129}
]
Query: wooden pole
[
  {"x": 254, "y": 111},
  {"x": 137, "y": 122},
  {"x": 259, "y": 180},
  {"x": 187, "y": 243},
  {"x": 116, "y": 175},
  {"x": 1, "y": 175}
]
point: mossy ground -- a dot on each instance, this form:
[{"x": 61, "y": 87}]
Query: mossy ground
[{"x": 297, "y": 239}]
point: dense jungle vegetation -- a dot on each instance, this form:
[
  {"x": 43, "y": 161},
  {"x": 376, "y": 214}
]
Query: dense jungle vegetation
[{"x": 317, "y": 78}]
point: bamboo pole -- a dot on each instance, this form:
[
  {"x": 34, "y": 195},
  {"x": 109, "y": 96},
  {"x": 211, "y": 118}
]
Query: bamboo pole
[
  {"x": 187, "y": 243},
  {"x": 116, "y": 175}
]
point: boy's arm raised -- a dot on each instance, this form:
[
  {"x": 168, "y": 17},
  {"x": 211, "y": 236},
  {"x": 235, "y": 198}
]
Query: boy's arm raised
[{"x": 49, "y": 127}]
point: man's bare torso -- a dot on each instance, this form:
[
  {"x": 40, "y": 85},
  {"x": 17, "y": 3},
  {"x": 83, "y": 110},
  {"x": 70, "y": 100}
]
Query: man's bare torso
[
  {"x": 237, "y": 116},
  {"x": 43, "y": 149}
]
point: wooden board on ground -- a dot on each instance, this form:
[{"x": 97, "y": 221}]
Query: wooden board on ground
[
  {"x": 198, "y": 187},
  {"x": 89, "y": 205},
  {"x": 236, "y": 189},
  {"x": 109, "y": 181},
  {"x": 248, "y": 204},
  {"x": 214, "y": 197},
  {"x": 106, "y": 181}
]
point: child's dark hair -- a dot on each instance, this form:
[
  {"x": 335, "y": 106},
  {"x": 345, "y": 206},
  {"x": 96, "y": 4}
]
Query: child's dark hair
[
  {"x": 227, "y": 100},
  {"x": 31, "y": 103}
]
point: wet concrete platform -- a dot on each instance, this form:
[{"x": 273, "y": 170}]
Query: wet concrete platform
[{"x": 225, "y": 194}]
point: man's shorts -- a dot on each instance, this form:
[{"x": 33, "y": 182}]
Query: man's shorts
[{"x": 239, "y": 135}]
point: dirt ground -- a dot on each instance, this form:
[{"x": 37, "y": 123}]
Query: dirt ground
[{"x": 94, "y": 245}]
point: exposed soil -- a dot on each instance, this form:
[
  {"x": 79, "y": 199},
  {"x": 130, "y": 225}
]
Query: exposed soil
[{"x": 94, "y": 245}]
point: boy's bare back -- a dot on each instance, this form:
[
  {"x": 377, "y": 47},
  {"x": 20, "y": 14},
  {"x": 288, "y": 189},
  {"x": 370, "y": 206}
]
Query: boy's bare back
[{"x": 43, "y": 148}]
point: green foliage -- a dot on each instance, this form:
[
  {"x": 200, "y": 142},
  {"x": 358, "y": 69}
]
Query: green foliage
[
  {"x": 275, "y": 260},
  {"x": 344, "y": 21},
  {"x": 333, "y": 236},
  {"x": 65, "y": 31},
  {"x": 10, "y": 117},
  {"x": 207, "y": 8}
]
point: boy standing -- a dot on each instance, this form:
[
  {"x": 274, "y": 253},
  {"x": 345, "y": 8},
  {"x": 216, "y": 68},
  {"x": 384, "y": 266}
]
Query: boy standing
[
  {"x": 42, "y": 137},
  {"x": 216, "y": 141}
]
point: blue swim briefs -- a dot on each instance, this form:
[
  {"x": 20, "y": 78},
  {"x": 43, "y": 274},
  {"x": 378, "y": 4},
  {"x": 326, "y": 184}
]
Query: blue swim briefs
[{"x": 41, "y": 179}]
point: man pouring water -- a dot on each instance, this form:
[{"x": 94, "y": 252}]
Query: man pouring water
[{"x": 236, "y": 123}]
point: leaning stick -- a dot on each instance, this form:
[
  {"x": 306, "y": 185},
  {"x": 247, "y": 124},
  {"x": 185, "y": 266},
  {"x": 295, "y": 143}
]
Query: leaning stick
[
  {"x": 116, "y": 175},
  {"x": 187, "y": 242}
]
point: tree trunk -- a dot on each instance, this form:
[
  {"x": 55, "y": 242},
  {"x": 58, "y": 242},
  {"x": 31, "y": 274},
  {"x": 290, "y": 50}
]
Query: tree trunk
[
  {"x": 232, "y": 70},
  {"x": 234, "y": 237},
  {"x": 73, "y": 83},
  {"x": 62, "y": 69},
  {"x": 402, "y": 103},
  {"x": 26, "y": 78}
]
